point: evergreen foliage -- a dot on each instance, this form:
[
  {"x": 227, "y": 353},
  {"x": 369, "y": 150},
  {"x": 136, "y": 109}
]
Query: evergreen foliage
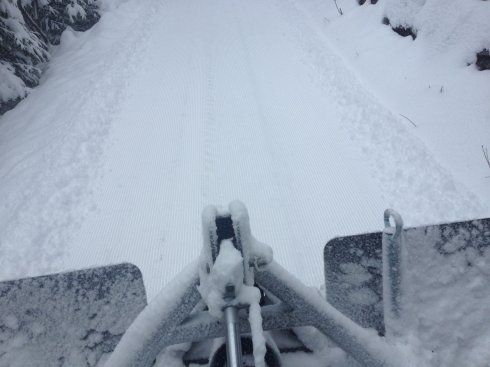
[{"x": 27, "y": 28}]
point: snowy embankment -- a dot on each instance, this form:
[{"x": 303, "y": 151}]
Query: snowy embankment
[
  {"x": 50, "y": 145},
  {"x": 28, "y": 29},
  {"x": 440, "y": 96},
  {"x": 163, "y": 107},
  {"x": 431, "y": 83}
]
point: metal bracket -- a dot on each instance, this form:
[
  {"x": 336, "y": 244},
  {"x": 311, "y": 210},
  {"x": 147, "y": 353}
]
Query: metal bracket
[
  {"x": 354, "y": 265},
  {"x": 174, "y": 320},
  {"x": 299, "y": 306},
  {"x": 393, "y": 260}
]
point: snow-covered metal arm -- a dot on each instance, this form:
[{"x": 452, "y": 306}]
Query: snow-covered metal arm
[{"x": 225, "y": 277}]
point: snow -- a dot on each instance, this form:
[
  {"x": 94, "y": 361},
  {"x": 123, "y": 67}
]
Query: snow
[
  {"x": 356, "y": 275},
  {"x": 438, "y": 25},
  {"x": 394, "y": 257},
  {"x": 75, "y": 10},
  {"x": 68, "y": 319},
  {"x": 443, "y": 302},
  {"x": 28, "y": 49},
  {"x": 172, "y": 357},
  {"x": 403, "y": 12},
  {"x": 138, "y": 345},
  {"x": 11, "y": 86},
  {"x": 425, "y": 80},
  {"x": 257, "y": 254},
  {"x": 258, "y": 339},
  {"x": 228, "y": 270},
  {"x": 362, "y": 344},
  {"x": 48, "y": 166},
  {"x": 317, "y": 121}
]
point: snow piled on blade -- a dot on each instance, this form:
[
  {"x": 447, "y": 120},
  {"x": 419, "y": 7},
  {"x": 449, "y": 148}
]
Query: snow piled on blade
[
  {"x": 148, "y": 334},
  {"x": 365, "y": 345},
  {"x": 258, "y": 338},
  {"x": 172, "y": 356},
  {"x": 444, "y": 316},
  {"x": 68, "y": 319}
]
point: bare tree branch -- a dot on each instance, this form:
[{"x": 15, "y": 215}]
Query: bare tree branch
[
  {"x": 413, "y": 123},
  {"x": 338, "y": 9},
  {"x": 485, "y": 154}
]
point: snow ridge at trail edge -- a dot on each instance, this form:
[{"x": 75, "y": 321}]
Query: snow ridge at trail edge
[
  {"x": 45, "y": 215},
  {"x": 399, "y": 161}
]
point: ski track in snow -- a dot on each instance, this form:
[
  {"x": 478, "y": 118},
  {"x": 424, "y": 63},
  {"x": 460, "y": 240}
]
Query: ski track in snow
[
  {"x": 410, "y": 178},
  {"x": 204, "y": 104}
]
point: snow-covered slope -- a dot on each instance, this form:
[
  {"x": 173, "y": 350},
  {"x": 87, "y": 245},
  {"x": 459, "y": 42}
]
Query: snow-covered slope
[
  {"x": 431, "y": 82},
  {"x": 164, "y": 107}
]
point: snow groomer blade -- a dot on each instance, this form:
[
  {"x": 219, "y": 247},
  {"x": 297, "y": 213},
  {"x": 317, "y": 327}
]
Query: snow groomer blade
[
  {"x": 71, "y": 318},
  {"x": 354, "y": 267}
]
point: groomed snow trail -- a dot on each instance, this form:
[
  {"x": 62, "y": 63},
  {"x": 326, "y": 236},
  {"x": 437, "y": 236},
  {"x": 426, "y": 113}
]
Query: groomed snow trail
[
  {"x": 51, "y": 144},
  {"x": 233, "y": 99},
  {"x": 220, "y": 111}
]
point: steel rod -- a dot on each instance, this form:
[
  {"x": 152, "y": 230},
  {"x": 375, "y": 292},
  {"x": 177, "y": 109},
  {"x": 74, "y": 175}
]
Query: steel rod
[{"x": 233, "y": 340}]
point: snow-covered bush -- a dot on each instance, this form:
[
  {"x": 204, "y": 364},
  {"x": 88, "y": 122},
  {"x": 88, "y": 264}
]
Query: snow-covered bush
[
  {"x": 27, "y": 28},
  {"x": 446, "y": 25},
  {"x": 12, "y": 88},
  {"x": 53, "y": 16},
  {"x": 483, "y": 59},
  {"x": 21, "y": 52}
]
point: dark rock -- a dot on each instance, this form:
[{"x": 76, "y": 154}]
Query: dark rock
[
  {"x": 8, "y": 105},
  {"x": 402, "y": 31},
  {"x": 483, "y": 60},
  {"x": 405, "y": 32}
]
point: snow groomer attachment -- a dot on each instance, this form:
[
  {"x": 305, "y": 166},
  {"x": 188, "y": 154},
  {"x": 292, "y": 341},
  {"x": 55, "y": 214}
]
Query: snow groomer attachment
[
  {"x": 366, "y": 275},
  {"x": 68, "y": 319},
  {"x": 237, "y": 291},
  {"x": 234, "y": 306}
]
